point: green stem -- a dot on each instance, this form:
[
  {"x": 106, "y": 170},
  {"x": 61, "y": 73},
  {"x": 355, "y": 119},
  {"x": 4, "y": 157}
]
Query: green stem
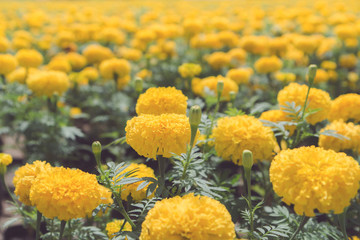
[
  {"x": 161, "y": 163},
  {"x": 38, "y": 222},
  {"x": 70, "y": 230},
  {"x": 116, "y": 141},
  {"x": 121, "y": 209},
  {"x": 98, "y": 162},
  {"x": 7, "y": 189},
  {"x": 208, "y": 132},
  {"x": 248, "y": 184},
  {"x": 62, "y": 228},
  {"x": 303, "y": 221},
  {"x": 342, "y": 221}
]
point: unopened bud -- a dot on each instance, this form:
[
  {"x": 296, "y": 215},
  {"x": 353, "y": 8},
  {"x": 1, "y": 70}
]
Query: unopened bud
[
  {"x": 312, "y": 73},
  {"x": 220, "y": 88},
  {"x": 232, "y": 96},
  {"x": 195, "y": 115},
  {"x": 247, "y": 160},
  {"x": 96, "y": 147},
  {"x": 138, "y": 85}
]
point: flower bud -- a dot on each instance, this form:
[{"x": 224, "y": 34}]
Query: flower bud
[
  {"x": 220, "y": 88},
  {"x": 312, "y": 73},
  {"x": 195, "y": 115},
  {"x": 138, "y": 85},
  {"x": 247, "y": 160},
  {"x": 96, "y": 147},
  {"x": 232, "y": 96}
]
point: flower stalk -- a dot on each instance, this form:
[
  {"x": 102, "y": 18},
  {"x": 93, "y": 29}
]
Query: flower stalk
[
  {"x": 38, "y": 222},
  {"x": 303, "y": 221},
  {"x": 342, "y": 221}
]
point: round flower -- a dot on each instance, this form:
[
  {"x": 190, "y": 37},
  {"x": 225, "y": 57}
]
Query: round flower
[
  {"x": 48, "y": 83},
  {"x": 278, "y": 116},
  {"x": 76, "y": 60},
  {"x": 151, "y": 135},
  {"x": 112, "y": 228},
  {"x": 218, "y": 60},
  {"x": 20, "y": 74},
  {"x": 111, "y": 68},
  {"x": 348, "y": 61},
  {"x": 96, "y": 54},
  {"x": 90, "y": 73},
  {"x": 313, "y": 178},
  {"x": 189, "y": 70},
  {"x": 59, "y": 63},
  {"x": 24, "y": 178},
  {"x": 65, "y": 193},
  {"x": 209, "y": 85},
  {"x": 240, "y": 75},
  {"x": 349, "y": 130},
  {"x": 268, "y": 64},
  {"x": 29, "y": 58},
  {"x": 188, "y": 217},
  {"x": 8, "y": 63},
  {"x": 5, "y": 159},
  {"x": 235, "y": 134},
  {"x": 161, "y": 100},
  {"x": 141, "y": 170},
  {"x": 318, "y": 99},
  {"x": 238, "y": 54},
  {"x": 285, "y": 77},
  {"x": 346, "y": 107}
]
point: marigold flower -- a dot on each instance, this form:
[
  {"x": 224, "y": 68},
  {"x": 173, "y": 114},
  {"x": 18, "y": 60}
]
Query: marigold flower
[
  {"x": 285, "y": 77},
  {"x": 59, "y": 63},
  {"x": 238, "y": 54},
  {"x": 112, "y": 228},
  {"x": 189, "y": 217},
  {"x": 314, "y": 178},
  {"x": 348, "y": 130},
  {"x": 122, "y": 82},
  {"x": 240, "y": 75},
  {"x": 8, "y": 63},
  {"x": 75, "y": 111},
  {"x": 131, "y": 189},
  {"x": 161, "y": 100},
  {"x": 20, "y": 75},
  {"x": 268, "y": 64},
  {"x": 233, "y": 135},
  {"x": 65, "y": 193},
  {"x": 189, "y": 70},
  {"x": 114, "y": 67},
  {"x": 345, "y": 107},
  {"x": 152, "y": 135},
  {"x": 320, "y": 77},
  {"x": 96, "y": 54},
  {"x": 76, "y": 60},
  {"x": 218, "y": 60},
  {"x": 48, "y": 83},
  {"x": 348, "y": 61},
  {"x": 24, "y": 178},
  {"x": 278, "y": 116},
  {"x": 130, "y": 54},
  {"x": 29, "y": 58},
  {"x": 318, "y": 99},
  {"x": 90, "y": 73},
  {"x": 5, "y": 159}
]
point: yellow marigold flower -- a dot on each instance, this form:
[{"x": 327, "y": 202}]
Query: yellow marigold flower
[
  {"x": 90, "y": 73},
  {"x": 112, "y": 228},
  {"x": 255, "y": 44},
  {"x": 188, "y": 217},
  {"x": 210, "y": 83},
  {"x": 114, "y": 68},
  {"x": 76, "y": 60},
  {"x": 240, "y": 75},
  {"x": 122, "y": 82},
  {"x": 238, "y": 54},
  {"x": 320, "y": 77},
  {"x": 346, "y": 107},
  {"x": 111, "y": 35},
  {"x": 29, "y": 58},
  {"x": 5, "y": 159},
  {"x": 353, "y": 77},
  {"x": 96, "y": 54},
  {"x": 354, "y": 238},
  {"x": 351, "y": 43},
  {"x": 131, "y": 189},
  {"x": 268, "y": 64},
  {"x": 151, "y": 135},
  {"x": 313, "y": 178},
  {"x": 106, "y": 199},
  {"x": 74, "y": 111},
  {"x": 307, "y": 44},
  {"x": 64, "y": 39},
  {"x": 278, "y": 116},
  {"x": 24, "y": 178},
  {"x": 218, "y": 60},
  {"x": 144, "y": 74},
  {"x": 348, "y": 61},
  {"x": 65, "y": 193},
  {"x": 189, "y": 70},
  {"x": 349, "y": 130},
  {"x": 161, "y": 100},
  {"x": 345, "y": 31},
  {"x": 8, "y": 63},
  {"x": 130, "y": 54},
  {"x": 59, "y": 63},
  {"x": 318, "y": 99},
  {"x": 4, "y": 44},
  {"x": 328, "y": 65},
  {"x": 48, "y": 83},
  {"x": 285, "y": 77},
  {"x": 235, "y": 134}
]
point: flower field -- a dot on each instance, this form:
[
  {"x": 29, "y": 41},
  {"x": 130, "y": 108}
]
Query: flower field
[{"x": 180, "y": 120}]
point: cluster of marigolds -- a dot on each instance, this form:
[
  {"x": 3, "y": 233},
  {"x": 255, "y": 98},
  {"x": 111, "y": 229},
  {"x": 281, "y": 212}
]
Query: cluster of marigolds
[{"x": 53, "y": 51}]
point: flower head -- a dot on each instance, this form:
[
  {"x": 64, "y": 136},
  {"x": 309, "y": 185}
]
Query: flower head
[
  {"x": 114, "y": 67},
  {"x": 318, "y": 99},
  {"x": 189, "y": 70},
  {"x": 313, "y": 178},
  {"x": 346, "y": 107},
  {"x": 5, "y": 159},
  {"x": 112, "y": 228},
  {"x": 65, "y": 193},
  {"x": 141, "y": 170},
  {"x": 188, "y": 217},
  {"x": 151, "y": 135},
  {"x": 240, "y": 75},
  {"x": 29, "y": 58},
  {"x": 8, "y": 63},
  {"x": 48, "y": 83},
  {"x": 268, "y": 64},
  {"x": 278, "y": 116},
  {"x": 96, "y": 53},
  {"x": 24, "y": 178},
  {"x": 233, "y": 135},
  {"x": 161, "y": 100}
]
